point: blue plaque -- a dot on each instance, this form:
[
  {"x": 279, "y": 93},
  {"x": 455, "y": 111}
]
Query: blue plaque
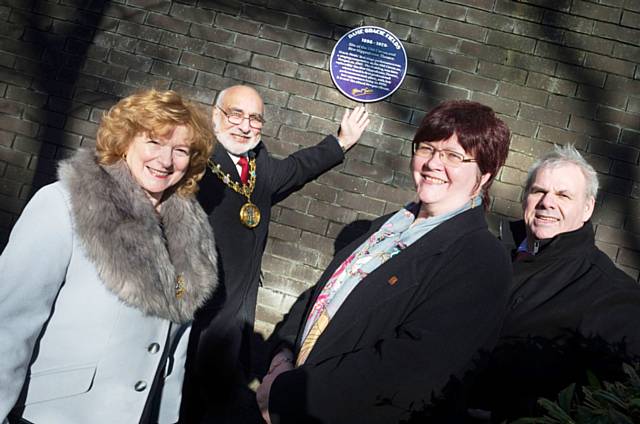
[{"x": 368, "y": 64}]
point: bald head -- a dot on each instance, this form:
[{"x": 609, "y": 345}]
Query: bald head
[{"x": 243, "y": 91}]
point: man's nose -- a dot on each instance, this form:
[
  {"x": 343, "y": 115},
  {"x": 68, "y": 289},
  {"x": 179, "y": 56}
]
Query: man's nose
[
  {"x": 244, "y": 125},
  {"x": 548, "y": 201}
]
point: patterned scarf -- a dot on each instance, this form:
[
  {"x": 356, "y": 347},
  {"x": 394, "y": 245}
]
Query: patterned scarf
[{"x": 400, "y": 231}]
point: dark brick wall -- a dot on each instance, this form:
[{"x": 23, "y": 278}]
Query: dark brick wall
[{"x": 558, "y": 71}]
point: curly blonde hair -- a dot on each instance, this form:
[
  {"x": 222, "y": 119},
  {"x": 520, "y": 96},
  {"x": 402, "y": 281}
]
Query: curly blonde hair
[{"x": 156, "y": 113}]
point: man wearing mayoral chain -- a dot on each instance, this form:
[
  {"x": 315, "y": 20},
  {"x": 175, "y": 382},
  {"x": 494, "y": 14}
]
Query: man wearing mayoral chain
[{"x": 240, "y": 186}]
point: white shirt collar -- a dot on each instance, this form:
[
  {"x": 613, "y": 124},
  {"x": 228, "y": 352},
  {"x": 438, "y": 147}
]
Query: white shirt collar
[{"x": 235, "y": 159}]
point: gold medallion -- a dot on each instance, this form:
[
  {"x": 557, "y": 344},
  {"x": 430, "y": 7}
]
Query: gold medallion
[{"x": 249, "y": 215}]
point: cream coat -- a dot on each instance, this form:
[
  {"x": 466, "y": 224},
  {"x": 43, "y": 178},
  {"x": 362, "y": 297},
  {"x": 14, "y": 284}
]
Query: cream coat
[{"x": 95, "y": 342}]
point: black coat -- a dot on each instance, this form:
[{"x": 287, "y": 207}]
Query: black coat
[
  {"x": 571, "y": 310},
  {"x": 403, "y": 332},
  {"x": 223, "y": 329}
]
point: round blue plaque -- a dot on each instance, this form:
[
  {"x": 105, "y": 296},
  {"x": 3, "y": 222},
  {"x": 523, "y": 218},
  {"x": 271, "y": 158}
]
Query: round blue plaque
[{"x": 368, "y": 64}]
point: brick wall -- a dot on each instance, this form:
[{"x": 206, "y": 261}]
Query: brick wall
[{"x": 558, "y": 71}]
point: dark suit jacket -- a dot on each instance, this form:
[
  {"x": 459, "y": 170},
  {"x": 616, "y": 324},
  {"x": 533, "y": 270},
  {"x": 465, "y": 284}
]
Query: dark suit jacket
[
  {"x": 572, "y": 285},
  {"x": 570, "y": 311},
  {"x": 223, "y": 328},
  {"x": 402, "y": 333}
]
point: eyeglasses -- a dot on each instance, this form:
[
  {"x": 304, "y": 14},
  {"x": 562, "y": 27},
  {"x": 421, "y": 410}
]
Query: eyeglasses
[
  {"x": 236, "y": 118},
  {"x": 448, "y": 157}
]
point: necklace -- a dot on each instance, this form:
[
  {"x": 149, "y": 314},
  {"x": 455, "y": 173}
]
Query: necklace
[{"x": 249, "y": 212}]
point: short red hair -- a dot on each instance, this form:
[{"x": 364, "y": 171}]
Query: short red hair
[{"x": 480, "y": 133}]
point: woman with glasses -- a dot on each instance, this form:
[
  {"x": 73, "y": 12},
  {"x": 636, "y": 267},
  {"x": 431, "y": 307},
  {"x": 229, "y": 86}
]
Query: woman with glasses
[
  {"x": 104, "y": 270},
  {"x": 401, "y": 312}
]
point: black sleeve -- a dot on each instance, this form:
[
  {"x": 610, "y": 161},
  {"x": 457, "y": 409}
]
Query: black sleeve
[
  {"x": 291, "y": 173},
  {"x": 616, "y": 319},
  {"x": 286, "y": 331}
]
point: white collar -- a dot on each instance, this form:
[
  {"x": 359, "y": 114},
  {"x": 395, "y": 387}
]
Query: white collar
[{"x": 236, "y": 158}]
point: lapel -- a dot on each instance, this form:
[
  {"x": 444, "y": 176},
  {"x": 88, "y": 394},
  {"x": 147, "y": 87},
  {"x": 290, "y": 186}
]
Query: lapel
[
  {"x": 260, "y": 192},
  {"x": 557, "y": 266},
  {"x": 260, "y": 195},
  {"x": 387, "y": 282},
  {"x": 222, "y": 158}
]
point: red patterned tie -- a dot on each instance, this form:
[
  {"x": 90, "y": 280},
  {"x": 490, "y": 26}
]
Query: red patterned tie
[{"x": 244, "y": 173}]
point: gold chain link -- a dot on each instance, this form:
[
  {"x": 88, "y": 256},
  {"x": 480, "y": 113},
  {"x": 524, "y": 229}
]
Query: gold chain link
[{"x": 244, "y": 189}]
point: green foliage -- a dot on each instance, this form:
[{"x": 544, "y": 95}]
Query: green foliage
[{"x": 607, "y": 403}]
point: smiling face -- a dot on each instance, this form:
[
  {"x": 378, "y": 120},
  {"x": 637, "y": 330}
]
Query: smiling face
[
  {"x": 238, "y": 138},
  {"x": 160, "y": 162},
  {"x": 557, "y": 202},
  {"x": 443, "y": 188}
]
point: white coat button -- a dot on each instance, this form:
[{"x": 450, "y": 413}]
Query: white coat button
[
  {"x": 153, "y": 348},
  {"x": 140, "y": 386}
]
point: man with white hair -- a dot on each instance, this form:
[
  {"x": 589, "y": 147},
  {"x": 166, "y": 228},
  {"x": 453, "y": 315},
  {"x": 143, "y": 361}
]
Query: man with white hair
[
  {"x": 558, "y": 267},
  {"x": 242, "y": 183},
  {"x": 571, "y": 310}
]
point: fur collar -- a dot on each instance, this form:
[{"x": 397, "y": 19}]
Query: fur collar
[{"x": 138, "y": 253}]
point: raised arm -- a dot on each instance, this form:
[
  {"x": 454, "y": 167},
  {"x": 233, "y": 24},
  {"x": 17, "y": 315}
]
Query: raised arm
[{"x": 294, "y": 171}]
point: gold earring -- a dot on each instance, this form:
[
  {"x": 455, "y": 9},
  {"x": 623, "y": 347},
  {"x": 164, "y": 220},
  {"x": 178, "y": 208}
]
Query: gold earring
[
  {"x": 475, "y": 201},
  {"x": 124, "y": 156}
]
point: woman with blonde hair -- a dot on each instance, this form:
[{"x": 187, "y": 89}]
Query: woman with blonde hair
[{"x": 104, "y": 270}]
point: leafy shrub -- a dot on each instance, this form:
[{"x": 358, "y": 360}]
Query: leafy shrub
[{"x": 608, "y": 403}]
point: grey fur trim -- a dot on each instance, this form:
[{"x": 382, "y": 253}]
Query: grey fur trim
[{"x": 138, "y": 253}]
